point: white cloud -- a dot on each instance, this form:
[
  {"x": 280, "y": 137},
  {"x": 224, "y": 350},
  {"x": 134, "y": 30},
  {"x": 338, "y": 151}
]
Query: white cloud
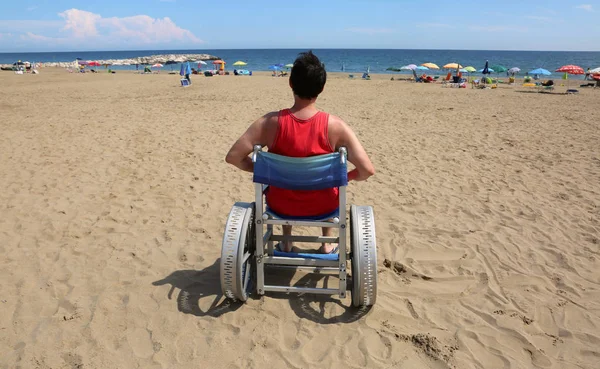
[
  {"x": 80, "y": 28},
  {"x": 81, "y": 23},
  {"x": 369, "y": 31},
  {"x": 586, "y": 7}
]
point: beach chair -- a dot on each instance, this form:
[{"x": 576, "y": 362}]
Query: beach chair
[
  {"x": 185, "y": 82},
  {"x": 249, "y": 236},
  {"x": 448, "y": 78}
]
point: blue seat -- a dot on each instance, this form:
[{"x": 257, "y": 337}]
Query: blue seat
[{"x": 310, "y": 173}]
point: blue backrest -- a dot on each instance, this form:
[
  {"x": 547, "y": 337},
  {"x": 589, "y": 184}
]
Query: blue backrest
[{"x": 311, "y": 173}]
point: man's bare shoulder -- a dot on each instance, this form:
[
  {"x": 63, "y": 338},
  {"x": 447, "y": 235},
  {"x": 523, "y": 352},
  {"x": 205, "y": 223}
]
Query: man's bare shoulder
[
  {"x": 336, "y": 125},
  {"x": 270, "y": 119}
]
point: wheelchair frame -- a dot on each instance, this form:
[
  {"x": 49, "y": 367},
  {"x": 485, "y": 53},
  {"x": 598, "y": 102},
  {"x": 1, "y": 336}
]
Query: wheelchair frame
[{"x": 249, "y": 238}]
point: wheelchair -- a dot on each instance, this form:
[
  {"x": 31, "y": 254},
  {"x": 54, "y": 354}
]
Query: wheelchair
[{"x": 248, "y": 239}]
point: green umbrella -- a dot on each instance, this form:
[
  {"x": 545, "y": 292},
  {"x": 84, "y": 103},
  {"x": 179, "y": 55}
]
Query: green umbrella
[
  {"x": 499, "y": 68},
  {"x": 470, "y": 69}
]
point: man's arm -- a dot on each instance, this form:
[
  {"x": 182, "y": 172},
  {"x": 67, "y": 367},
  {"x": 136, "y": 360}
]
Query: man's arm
[
  {"x": 254, "y": 135},
  {"x": 356, "y": 153}
]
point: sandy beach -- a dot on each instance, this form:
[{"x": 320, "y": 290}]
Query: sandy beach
[{"x": 115, "y": 194}]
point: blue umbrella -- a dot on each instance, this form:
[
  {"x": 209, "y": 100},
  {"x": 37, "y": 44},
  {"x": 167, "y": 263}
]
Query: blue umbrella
[
  {"x": 275, "y": 67},
  {"x": 490, "y": 71},
  {"x": 420, "y": 67},
  {"x": 182, "y": 70},
  {"x": 188, "y": 69},
  {"x": 541, "y": 71}
]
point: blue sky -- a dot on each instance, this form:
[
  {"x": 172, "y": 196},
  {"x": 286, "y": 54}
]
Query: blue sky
[{"x": 61, "y": 25}]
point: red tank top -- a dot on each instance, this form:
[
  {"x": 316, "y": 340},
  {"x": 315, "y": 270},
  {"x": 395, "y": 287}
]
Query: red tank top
[{"x": 302, "y": 138}]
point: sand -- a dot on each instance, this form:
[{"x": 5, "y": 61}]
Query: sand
[{"x": 115, "y": 194}]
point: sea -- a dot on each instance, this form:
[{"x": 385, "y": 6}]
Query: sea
[{"x": 344, "y": 60}]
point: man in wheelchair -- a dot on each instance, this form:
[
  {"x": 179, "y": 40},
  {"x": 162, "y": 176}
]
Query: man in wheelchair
[{"x": 302, "y": 131}]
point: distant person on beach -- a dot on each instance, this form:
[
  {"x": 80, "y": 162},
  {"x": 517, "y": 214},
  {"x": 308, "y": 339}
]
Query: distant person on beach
[
  {"x": 302, "y": 131},
  {"x": 587, "y": 74}
]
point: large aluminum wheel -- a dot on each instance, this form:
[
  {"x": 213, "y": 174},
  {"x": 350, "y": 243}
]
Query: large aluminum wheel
[
  {"x": 237, "y": 252},
  {"x": 364, "y": 255}
]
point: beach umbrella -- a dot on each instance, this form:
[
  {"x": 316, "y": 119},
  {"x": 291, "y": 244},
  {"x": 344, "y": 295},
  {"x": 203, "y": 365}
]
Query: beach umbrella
[
  {"x": 292, "y": 65},
  {"x": 420, "y": 67},
  {"x": 541, "y": 71},
  {"x": 571, "y": 69},
  {"x": 218, "y": 62},
  {"x": 239, "y": 63},
  {"x": 499, "y": 68},
  {"x": 188, "y": 68},
  {"x": 94, "y": 64},
  {"x": 430, "y": 65},
  {"x": 468, "y": 70},
  {"x": 486, "y": 69},
  {"x": 275, "y": 67},
  {"x": 595, "y": 71},
  {"x": 452, "y": 66},
  {"x": 409, "y": 67},
  {"x": 182, "y": 70},
  {"x": 514, "y": 70},
  {"x": 157, "y": 65},
  {"x": 202, "y": 62}
]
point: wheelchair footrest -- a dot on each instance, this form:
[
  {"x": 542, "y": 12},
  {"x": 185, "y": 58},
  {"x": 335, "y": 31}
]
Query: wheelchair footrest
[
  {"x": 297, "y": 260},
  {"x": 331, "y": 257}
]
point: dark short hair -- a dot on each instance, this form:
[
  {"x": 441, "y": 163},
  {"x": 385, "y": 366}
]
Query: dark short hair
[{"x": 308, "y": 76}]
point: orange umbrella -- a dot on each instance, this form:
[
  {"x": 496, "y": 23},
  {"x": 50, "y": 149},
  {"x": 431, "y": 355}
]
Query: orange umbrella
[{"x": 219, "y": 62}]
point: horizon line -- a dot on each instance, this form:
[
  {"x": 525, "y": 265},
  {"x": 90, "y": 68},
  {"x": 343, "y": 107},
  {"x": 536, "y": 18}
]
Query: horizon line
[{"x": 299, "y": 48}]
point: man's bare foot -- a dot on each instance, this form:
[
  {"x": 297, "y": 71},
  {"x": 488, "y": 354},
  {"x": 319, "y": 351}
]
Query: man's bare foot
[
  {"x": 327, "y": 248},
  {"x": 286, "y": 246}
]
